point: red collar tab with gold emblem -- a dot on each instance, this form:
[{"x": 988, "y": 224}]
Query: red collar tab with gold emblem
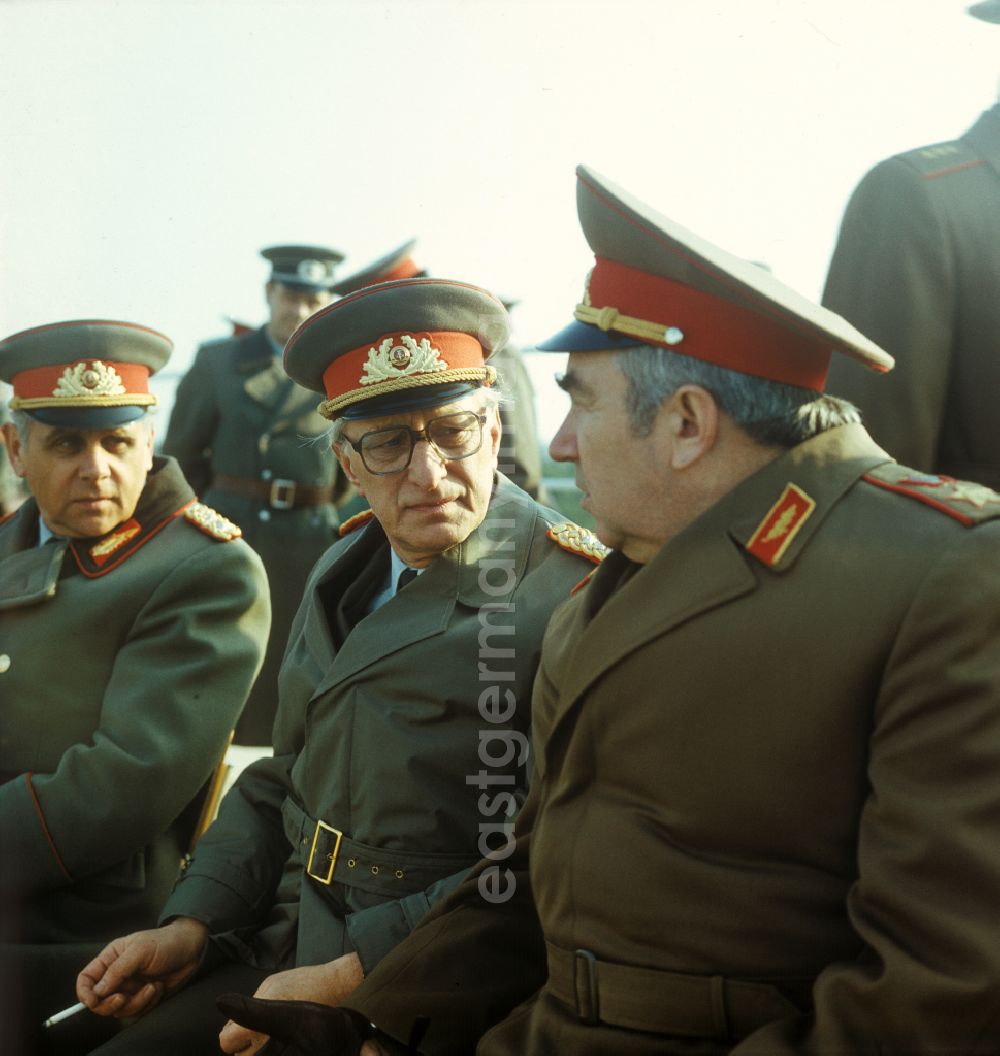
[{"x": 781, "y": 524}]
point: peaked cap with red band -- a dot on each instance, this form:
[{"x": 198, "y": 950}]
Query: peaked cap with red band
[
  {"x": 656, "y": 283},
  {"x": 83, "y": 373},
  {"x": 398, "y": 263},
  {"x": 398, "y": 346}
]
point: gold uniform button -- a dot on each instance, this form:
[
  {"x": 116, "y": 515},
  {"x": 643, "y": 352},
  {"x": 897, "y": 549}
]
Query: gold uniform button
[
  {"x": 4, "y": 663},
  {"x": 375, "y": 870},
  {"x": 399, "y": 874}
]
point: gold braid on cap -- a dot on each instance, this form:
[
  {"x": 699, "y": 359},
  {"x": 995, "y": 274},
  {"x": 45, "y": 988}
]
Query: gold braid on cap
[
  {"x": 611, "y": 319},
  {"x": 487, "y": 375}
]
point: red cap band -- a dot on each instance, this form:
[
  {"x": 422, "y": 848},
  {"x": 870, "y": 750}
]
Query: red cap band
[
  {"x": 90, "y": 379},
  {"x": 392, "y": 357},
  {"x": 713, "y": 330}
]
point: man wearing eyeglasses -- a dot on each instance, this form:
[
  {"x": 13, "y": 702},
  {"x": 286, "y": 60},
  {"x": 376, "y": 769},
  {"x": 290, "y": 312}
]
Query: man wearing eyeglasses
[{"x": 401, "y": 735}]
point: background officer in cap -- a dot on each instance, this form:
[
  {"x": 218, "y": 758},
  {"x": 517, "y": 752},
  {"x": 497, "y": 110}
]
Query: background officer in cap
[
  {"x": 401, "y": 735},
  {"x": 132, "y": 623},
  {"x": 520, "y": 455},
  {"x": 240, "y": 429},
  {"x": 916, "y": 267},
  {"x": 766, "y": 734}
]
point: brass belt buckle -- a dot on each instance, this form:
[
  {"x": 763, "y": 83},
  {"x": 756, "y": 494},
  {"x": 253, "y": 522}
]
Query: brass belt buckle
[
  {"x": 282, "y": 494},
  {"x": 331, "y": 856}
]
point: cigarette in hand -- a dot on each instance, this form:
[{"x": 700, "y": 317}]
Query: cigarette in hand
[{"x": 58, "y": 1017}]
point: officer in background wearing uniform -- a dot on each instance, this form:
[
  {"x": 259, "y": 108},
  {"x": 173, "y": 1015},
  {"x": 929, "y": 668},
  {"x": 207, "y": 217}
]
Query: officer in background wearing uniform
[
  {"x": 520, "y": 454},
  {"x": 763, "y": 817},
  {"x": 132, "y": 623},
  {"x": 241, "y": 430},
  {"x": 401, "y": 736},
  {"x": 917, "y": 268}
]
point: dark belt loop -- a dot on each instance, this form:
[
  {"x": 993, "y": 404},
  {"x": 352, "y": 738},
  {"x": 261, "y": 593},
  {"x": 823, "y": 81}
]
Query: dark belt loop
[
  {"x": 585, "y": 986},
  {"x": 720, "y": 1014}
]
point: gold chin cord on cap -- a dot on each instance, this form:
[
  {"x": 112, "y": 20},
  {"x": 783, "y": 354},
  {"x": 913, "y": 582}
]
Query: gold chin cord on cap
[
  {"x": 609, "y": 318},
  {"x": 486, "y": 374}
]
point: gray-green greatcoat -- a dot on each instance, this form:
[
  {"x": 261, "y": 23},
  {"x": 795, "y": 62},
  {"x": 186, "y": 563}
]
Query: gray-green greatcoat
[
  {"x": 388, "y": 723},
  {"x": 237, "y": 413},
  {"x": 520, "y": 454},
  {"x": 917, "y": 269},
  {"x": 747, "y": 772},
  {"x": 122, "y": 675}
]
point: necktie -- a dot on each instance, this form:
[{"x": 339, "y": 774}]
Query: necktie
[{"x": 408, "y": 575}]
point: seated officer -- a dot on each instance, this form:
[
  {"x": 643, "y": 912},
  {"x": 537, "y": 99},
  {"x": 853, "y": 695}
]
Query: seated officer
[
  {"x": 240, "y": 428},
  {"x": 763, "y": 819},
  {"x": 132, "y": 622},
  {"x": 520, "y": 456},
  {"x": 400, "y": 740}
]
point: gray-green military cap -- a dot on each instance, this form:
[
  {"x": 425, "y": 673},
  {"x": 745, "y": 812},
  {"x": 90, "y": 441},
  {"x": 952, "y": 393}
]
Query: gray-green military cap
[
  {"x": 398, "y": 263},
  {"x": 398, "y": 346},
  {"x": 303, "y": 267},
  {"x": 83, "y": 373},
  {"x": 655, "y": 282},
  {"x": 987, "y": 10}
]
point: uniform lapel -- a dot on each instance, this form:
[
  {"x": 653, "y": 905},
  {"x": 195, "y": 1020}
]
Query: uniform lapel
[
  {"x": 708, "y": 564},
  {"x": 28, "y": 573}
]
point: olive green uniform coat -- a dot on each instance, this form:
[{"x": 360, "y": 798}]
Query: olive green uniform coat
[
  {"x": 381, "y": 734},
  {"x": 917, "y": 269},
  {"x": 748, "y": 771},
  {"x": 122, "y": 676},
  {"x": 237, "y": 413}
]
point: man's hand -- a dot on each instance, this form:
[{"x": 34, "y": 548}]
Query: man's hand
[
  {"x": 131, "y": 975},
  {"x": 323, "y": 984},
  {"x": 306, "y": 1028}
]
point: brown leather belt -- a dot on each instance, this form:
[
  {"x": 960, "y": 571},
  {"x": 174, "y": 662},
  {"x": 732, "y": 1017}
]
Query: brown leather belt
[
  {"x": 696, "y": 1006},
  {"x": 278, "y": 493}
]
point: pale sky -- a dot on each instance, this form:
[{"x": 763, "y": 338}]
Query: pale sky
[{"x": 148, "y": 150}]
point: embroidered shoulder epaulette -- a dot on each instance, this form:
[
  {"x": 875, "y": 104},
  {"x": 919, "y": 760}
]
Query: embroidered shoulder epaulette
[
  {"x": 578, "y": 540},
  {"x": 942, "y": 159},
  {"x": 352, "y": 524},
  {"x": 212, "y": 523},
  {"x": 968, "y": 503}
]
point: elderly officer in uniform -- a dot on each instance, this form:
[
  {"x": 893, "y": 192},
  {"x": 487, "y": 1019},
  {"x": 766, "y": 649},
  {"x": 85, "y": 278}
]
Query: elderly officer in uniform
[
  {"x": 916, "y": 267},
  {"x": 132, "y": 623},
  {"x": 401, "y": 735},
  {"x": 764, "y": 812},
  {"x": 240, "y": 428},
  {"x": 520, "y": 455}
]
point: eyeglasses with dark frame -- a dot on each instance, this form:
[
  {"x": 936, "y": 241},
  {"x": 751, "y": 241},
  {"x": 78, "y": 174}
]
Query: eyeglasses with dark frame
[{"x": 390, "y": 450}]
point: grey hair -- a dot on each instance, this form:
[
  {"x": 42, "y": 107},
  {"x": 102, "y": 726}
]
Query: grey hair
[
  {"x": 491, "y": 396},
  {"x": 770, "y": 412}
]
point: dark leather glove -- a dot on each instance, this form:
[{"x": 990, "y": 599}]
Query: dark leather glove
[{"x": 305, "y": 1028}]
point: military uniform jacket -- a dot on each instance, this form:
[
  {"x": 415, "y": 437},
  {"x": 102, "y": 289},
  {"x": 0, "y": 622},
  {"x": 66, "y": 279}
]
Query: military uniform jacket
[
  {"x": 404, "y": 729},
  {"x": 125, "y": 662},
  {"x": 769, "y": 755},
  {"x": 237, "y": 413},
  {"x": 916, "y": 269}
]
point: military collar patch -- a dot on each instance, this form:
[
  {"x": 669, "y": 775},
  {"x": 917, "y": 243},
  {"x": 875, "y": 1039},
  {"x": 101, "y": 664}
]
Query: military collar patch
[
  {"x": 577, "y": 540},
  {"x": 103, "y": 551},
  {"x": 781, "y": 525}
]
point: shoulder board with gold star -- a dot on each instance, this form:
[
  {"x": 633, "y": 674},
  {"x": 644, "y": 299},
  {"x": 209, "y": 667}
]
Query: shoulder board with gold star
[
  {"x": 578, "y": 540},
  {"x": 352, "y": 524},
  {"x": 943, "y": 159},
  {"x": 966, "y": 502},
  {"x": 212, "y": 523}
]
